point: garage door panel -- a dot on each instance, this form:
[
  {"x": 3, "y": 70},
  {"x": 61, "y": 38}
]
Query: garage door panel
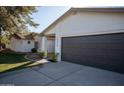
[
  {"x": 110, "y": 60},
  {"x": 103, "y": 51},
  {"x": 112, "y": 64},
  {"x": 106, "y": 46},
  {"x": 97, "y": 52}
]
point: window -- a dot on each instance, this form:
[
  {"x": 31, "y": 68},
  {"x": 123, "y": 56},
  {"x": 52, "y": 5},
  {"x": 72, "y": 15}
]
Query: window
[{"x": 29, "y": 42}]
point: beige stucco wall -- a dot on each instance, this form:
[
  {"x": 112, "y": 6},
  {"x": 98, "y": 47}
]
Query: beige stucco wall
[
  {"x": 21, "y": 45},
  {"x": 86, "y": 23}
]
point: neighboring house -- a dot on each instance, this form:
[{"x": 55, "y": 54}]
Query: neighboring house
[
  {"x": 88, "y": 36},
  {"x": 24, "y": 42}
]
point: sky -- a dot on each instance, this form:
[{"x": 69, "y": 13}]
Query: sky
[{"x": 46, "y": 15}]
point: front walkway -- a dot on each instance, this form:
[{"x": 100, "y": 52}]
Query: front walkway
[{"x": 61, "y": 73}]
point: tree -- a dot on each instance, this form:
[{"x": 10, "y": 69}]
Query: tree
[{"x": 16, "y": 18}]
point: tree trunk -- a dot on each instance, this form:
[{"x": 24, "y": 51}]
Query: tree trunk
[{"x": 0, "y": 37}]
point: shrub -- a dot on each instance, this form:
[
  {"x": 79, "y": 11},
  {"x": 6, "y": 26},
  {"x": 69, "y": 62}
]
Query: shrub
[
  {"x": 34, "y": 50},
  {"x": 42, "y": 54},
  {"x": 53, "y": 56}
]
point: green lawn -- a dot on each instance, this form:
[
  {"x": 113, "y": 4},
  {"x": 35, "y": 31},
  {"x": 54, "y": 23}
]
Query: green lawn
[{"x": 10, "y": 62}]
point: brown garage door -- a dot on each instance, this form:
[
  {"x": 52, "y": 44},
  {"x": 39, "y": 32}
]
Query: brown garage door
[{"x": 102, "y": 51}]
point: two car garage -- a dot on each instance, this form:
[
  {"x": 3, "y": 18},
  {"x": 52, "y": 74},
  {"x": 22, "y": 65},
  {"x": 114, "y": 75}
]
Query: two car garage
[
  {"x": 104, "y": 51},
  {"x": 90, "y": 36}
]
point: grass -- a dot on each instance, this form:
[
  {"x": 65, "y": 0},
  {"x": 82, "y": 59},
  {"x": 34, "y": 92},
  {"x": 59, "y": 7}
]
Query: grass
[{"x": 10, "y": 62}]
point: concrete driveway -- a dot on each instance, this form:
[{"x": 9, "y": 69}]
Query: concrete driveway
[{"x": 61, "y": 74}]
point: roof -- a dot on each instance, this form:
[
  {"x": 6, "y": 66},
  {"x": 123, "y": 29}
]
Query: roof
[
  {"x": 100, "y": 9},
  {"x": 29, "y": 36},
  {"x": 88, "y": 9}
]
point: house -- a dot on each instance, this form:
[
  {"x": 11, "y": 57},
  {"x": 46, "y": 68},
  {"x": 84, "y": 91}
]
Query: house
[
  {"x": 24, "y": 42},
  {"x": 88, "y": 36}
]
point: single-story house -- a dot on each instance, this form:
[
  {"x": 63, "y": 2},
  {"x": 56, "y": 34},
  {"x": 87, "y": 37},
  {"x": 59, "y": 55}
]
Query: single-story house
[
  {"x": 88, "y": 36},
  {"x": 24, "y": 42}
]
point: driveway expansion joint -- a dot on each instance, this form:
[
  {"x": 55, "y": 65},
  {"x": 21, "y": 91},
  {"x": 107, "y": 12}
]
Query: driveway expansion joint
[
  {"x": 54, "y": 80},
  {"x": 64, "y": 76},
  {"x": 42, "y": 73}
]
